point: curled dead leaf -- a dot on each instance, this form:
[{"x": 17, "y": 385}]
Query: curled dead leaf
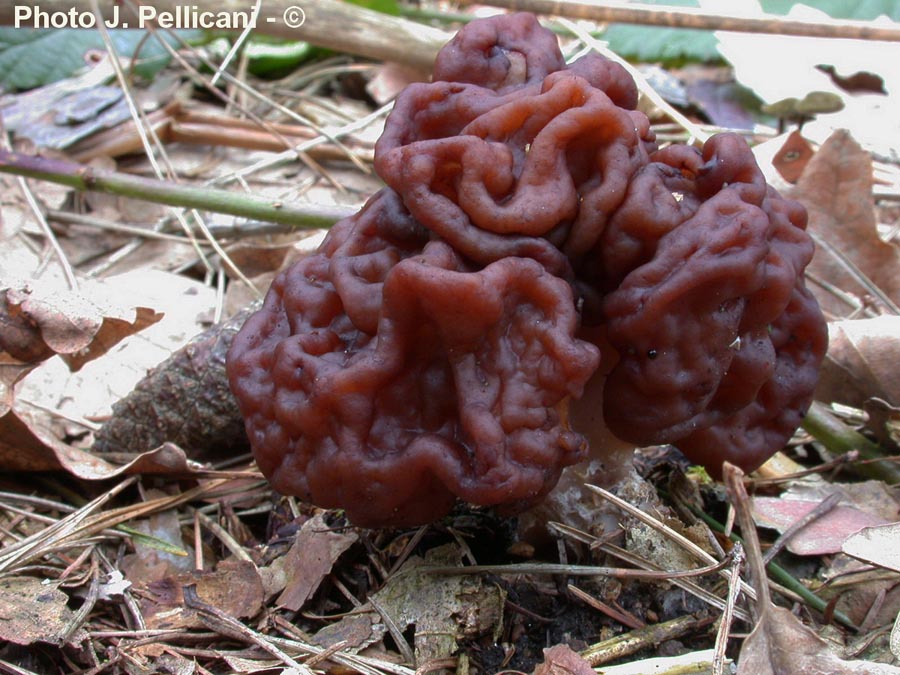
[
  {"x": 792, "y": 158},
  {"x": 79, "y": 325},
  {"x": 779, "y": 643},
  {"x": 836, "y": 189},
  {"x": 863, "y": 362},
  {"x": 310, "y": 559},
  {"x": 561, "y": 660}
]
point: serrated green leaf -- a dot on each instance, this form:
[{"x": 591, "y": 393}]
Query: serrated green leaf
[{"x": 34, "y": 57}]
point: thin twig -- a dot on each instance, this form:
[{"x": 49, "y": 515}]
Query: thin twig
[
  {"x": 624, "y": 618},
  {"x": 820, "y": 510},
  {"x": 604, "y": 546},
  {"x": 227, "y": 625},
  {"x": 734, "y": 590},
  {"x": 81, "y": 177},
  {"x": 648, "y": 636},
  {"x": 688, "y": 17},
  {"x": 679, "y": 539}
]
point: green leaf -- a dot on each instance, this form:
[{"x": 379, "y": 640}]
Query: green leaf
[
  {"x": 384, "y": 6},
  {"x": 266, "y": 58},
  {"x": 151, "y": 541},
  {"x": 862, "y": 10},
  {"x": 34, "y": 57},
  {"x": 666, "y": 45},
  {"x": 651, "y": 43}
]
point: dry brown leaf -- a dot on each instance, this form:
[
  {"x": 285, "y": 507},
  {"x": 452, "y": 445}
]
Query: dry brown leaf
[
  {"x": 792, "y": 158},
  {"x": 836, "y": 189},
  {"x": 824, "y": 535},
  {"x": 150, "y": 563},
  {"x": 389, "y": 79},
  {"x": 234, "y": 587},
  {"x": 32, "y": 611},
  {"x": 310, "y": 559},
  {"x": 863, "y": 361},
  {"x": 78, "y": 325},
  {"x": 561, "y": 660},
  {"x": 781, "y": 645},
  {"x": 27, "y": 443}
]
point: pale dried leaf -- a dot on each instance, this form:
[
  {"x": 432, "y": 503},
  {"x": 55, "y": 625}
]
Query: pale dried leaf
[
  {"x": 114, "y": 586},
  {"x": 78, "y": 325},
  {"x": 91, "y": 392},
  {"x": 895, "y": 638},
  {"x": 836, "y": 189},
  {"x": 824, "y": 535},
  {"x": 443, "y": 608},
  {"x": 879, "y": 545},
  {"x": 150, "y": 563},
  {"x": 863, "y": 361},
  {"x": 390, "y": 79}
]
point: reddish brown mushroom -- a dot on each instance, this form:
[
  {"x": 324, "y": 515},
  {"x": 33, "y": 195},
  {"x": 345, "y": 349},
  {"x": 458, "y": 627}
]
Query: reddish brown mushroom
[{"x": 432, "y": 347}]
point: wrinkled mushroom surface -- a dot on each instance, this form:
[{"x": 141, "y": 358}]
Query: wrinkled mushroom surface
[{"x": 431, "y": 349}]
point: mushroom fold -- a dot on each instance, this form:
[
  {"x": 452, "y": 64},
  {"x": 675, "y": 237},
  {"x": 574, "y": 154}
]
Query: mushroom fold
[{"x": 433, "y": 346}]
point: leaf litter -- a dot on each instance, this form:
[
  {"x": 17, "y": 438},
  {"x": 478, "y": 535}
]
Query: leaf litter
[{"x": 137, "y": 537}]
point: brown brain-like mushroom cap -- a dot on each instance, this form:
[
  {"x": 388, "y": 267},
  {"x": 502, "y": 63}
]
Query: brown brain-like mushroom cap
[{"x": 430, "y": 350}]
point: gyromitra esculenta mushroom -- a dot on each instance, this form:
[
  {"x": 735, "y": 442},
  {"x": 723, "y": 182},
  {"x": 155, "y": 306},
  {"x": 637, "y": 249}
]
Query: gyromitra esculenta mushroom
[{"x": 430, "y": 350}]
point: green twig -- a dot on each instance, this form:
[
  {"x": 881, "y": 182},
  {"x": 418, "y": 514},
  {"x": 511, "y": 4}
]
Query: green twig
[
  {"x": 82, "y": 177},
  {"x": 840, "y": 439}
]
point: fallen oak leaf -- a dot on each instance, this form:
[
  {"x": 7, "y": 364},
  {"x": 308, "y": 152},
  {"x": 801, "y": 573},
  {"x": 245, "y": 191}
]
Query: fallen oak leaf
[
  {"x": 836, "y": 189},
  {"x": 78, "y": 325},
  {"x": 779, "y": 644},
  {"x": 825, "y": 535},
  {"x": 28, "y": 444},
  {"x": 862, "y": 362},
  {"x": 310, "y": 559},
  {"x": 878, "y": 545}
]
